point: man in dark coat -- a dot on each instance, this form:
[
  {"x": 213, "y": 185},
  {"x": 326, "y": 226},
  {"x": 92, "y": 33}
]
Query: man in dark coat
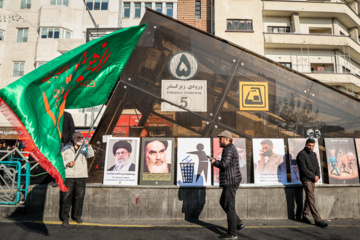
[
  {"x": 309, "y": 174},
  {"x": 230, "y": 178},
  {"x": 68, "y": 129}
]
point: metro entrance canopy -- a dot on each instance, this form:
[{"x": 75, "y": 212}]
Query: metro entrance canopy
[{"x": 183, "y": 82}]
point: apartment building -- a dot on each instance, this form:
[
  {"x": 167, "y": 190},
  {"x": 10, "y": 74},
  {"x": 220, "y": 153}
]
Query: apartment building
[
  {"x": 319, "y": 38},
  {"x": 33, "y": 32}
]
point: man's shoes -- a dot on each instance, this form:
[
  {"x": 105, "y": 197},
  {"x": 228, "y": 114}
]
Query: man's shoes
[
  {"x": 306, "y": 220},
  {"x": 240, "y": 226},
  {"x": 321, "y": 224},
  {"x": 65, "y": 223},
  {"x": 228, "y": 237},
  {"x": 79, "y": 220}
]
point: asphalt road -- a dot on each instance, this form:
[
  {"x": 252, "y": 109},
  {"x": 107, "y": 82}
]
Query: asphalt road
[{"x": 279, "y": 229}]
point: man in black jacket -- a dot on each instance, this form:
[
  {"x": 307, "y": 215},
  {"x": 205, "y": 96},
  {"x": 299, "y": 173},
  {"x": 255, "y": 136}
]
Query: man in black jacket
[
  {"x": 230, "y": 178},
  {"x": 309, "y": 174}
]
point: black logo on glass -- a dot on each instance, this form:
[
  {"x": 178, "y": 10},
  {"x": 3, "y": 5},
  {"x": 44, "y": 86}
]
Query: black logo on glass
[
  {"x": 254, "y": 97},
  {"x": 183, "y": 68}
]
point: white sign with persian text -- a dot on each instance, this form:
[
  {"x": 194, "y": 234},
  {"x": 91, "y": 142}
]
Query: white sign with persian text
[{"x": 191, "y": 95}]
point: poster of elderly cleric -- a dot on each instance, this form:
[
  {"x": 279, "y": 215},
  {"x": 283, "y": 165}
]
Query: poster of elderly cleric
[
  {"x": 157, "y": 161},
  {"x": 240, "y": 144},
  {"x": 269, "y": 161},
  {"x": 121, "y": 163},
  {"x": 193, "y": 165},
  {"x": 295, "y": 146},
  {"x": 341, "y": 160}
]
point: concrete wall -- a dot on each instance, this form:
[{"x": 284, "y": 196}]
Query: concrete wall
[{"x": 175, "y": 203}]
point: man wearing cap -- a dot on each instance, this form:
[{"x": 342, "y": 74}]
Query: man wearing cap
[
  {"x": 155, "y": 157},
  {"x": 122, "y": 150},
  {"x": 230, "y": 178},
  {"x": 76, "y": 173}
]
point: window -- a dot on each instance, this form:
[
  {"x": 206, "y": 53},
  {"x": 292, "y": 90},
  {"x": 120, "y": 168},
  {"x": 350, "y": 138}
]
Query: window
[
  {"x": 59, "y": 2},
  {"x": 18, "y": 69},
  {"x": 65, "y": 34},
  {"x": 126, "y": 9},
  {"x": 158, "y": 7},
  {"x": 169, "y": 9},
  {"x": 1, "y": 3},
  {"x": 25, "y": 4},
  {"x": 198, "y": 10},
  {"x": 22, "y": 35},
  {"x": 346, "y": 70},
  {"x": 278, "y": 29},
  {"x": 148, "y": 5},
  {"x": 1, "y": 35},
  {"x": 137, "y": 10},
  {"x": 286, "y": 64},
  {"x": 97, "y": 4},
  {"x": 50, "y": 32},
  {"x": 39, "y": 64},
  {"x": 240, "y": 25}
]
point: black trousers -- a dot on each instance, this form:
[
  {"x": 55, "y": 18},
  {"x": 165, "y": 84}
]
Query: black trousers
[
  {"x": 227, "y": 202},
  {"x": 74, "y": 195}
]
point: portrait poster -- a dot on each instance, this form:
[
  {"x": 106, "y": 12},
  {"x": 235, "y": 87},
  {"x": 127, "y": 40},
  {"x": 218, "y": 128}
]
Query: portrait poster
[
  {"x": 295, "y": 146},
  {"x": 157, "y": 161},
  {"x": 193, "y": 165},
  {"x": 121, "y": 161},
  {"x": 240, "y": 144},
  {"x": 269, "y": 161},
  {"x": 341, "y": 160}
]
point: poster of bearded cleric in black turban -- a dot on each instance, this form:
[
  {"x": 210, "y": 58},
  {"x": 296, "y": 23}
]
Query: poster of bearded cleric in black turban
[
  {"x": 121, "y": 163},
  {"x": 341, "y": 160},
  {"x": 269, "y": 161},
  {"x": 194, "y": 167},
  {"x": 157, "y": 161}
]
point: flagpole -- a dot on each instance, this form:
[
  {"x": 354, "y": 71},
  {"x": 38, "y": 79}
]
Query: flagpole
[{"x": 87, "y": 135}]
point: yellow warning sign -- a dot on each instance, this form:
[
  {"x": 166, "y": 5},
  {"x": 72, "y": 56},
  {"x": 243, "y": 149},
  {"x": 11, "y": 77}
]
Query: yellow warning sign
[{"x": 254, "y": 96}]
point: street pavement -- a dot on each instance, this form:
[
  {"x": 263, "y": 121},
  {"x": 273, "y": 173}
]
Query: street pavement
[{"x": 261, "y": 229}]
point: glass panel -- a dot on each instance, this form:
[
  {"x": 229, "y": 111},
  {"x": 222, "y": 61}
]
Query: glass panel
[
  {"x": 159, "y": 7},
  {"x": 104, "y": 4},
  {"x": 236, "y": 25},
  {"x": 50, "y": 33},
  {"x": 249, "y": 25},
  {"x": 89, "y": 4},
  {"x": 57, "y": 33},
  {"x": 127, "y": 10},
  {"x": 20, "y": 35},
  {"x": 137, "y": 10},
  {"x": 22, "y": 5},
  {"x": 21, "y": 72},
  {"x": 229, "y": 26},
  {"x": 148, "y": 5},
  {"x": 66, "y": 3},
  {"x": 53, "y": 2},
  {"x": 44, "y": 33},
  {"x": 1, "y": 35},
  {"x": 68, "y": 35},
  {"x": 1, "y": 3},
  {"x": 97, "y": 5},
  {"x": 16, "y": 70},
  {"x": 59, "y": 2}
]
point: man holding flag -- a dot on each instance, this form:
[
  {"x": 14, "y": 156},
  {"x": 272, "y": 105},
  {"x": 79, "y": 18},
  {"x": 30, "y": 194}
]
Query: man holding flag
[
  {"x": 76, "y": 175},
  {"x": 81, "y": 78}
]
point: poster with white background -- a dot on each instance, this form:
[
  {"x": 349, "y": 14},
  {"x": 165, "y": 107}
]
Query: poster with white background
[
  {"x": 193, "y": 165},
  {"x": 121, "y": 161}
]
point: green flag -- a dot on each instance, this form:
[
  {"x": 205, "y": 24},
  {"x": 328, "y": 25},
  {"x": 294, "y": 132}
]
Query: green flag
[{"x": 83, "y": 77}]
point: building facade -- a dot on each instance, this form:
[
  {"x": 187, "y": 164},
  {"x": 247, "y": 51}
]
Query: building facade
[
  {"x": 33, "y": 32},
  {"x": 318, "y": 38}
]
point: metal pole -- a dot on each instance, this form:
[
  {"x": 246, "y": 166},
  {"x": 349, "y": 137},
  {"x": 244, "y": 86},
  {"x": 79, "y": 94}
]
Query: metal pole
[{"x": 87, "y": 135}]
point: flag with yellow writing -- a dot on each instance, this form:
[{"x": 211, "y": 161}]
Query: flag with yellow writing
[{"x": 83, "y": 77}]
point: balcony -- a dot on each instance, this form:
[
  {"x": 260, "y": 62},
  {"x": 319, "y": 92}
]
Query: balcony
[
  {"x": 313, "y": 41},
  {"x": 313, "y": 9}
]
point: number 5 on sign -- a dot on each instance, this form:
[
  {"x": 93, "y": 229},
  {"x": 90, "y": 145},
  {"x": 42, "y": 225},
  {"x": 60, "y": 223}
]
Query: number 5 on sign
[{"x": 191, "y": 95}]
